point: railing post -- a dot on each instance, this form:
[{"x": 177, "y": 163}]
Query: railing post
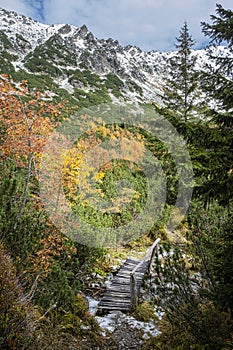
[
  {"x": 151, "y": 262},
  {"x": 133, "y": 289},
  {"x": 133, "y": 284},
  {"x": 152, "y": 257}
]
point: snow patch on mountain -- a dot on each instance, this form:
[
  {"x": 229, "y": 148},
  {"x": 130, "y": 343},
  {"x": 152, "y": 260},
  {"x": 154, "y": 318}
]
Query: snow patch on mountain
[{"x": 147, "y": 70}]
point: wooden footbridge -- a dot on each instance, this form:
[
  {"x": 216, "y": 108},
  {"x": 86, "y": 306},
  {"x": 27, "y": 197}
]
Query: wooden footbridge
[{"x": 123, "y": 292}]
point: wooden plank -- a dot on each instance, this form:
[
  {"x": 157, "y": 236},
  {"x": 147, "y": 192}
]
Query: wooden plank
[
  {"x": 113, "y": 294},
  {"x": 118, "y": 286},
  {"x": 116, "y": 307},
  {"x": 128, "y": 273},
  {"x": 119, "y": 306},
  {"x": 122, "y": 280},
  {"x": 113, "y": 302},
  {"x": 113, "y": 308},
  {"x": 115, "y": 290},
  {"x": 128, "y": 270},
  {"x": 107, "y": 308},
  {"x": 118, "y": 295},
  {"x": 132, "y": 260}
]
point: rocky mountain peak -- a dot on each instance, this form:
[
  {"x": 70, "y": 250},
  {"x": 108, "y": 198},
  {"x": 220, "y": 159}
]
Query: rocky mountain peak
[
  {"x": 65, "y": 29},
  {"x": 112, "y": 42},
  {"x": 82, "y": 31},
  {"x": 73, "y": 55}
]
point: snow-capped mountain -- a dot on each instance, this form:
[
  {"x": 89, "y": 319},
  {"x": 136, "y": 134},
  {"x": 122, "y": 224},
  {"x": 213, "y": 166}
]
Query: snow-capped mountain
[{"x": 73, "y": 59}]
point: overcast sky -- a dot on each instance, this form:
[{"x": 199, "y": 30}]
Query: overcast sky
[{"x": 149, "y": 24}]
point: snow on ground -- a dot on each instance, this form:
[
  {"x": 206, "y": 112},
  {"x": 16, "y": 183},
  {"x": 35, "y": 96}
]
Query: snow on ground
[
  {"x": 114, "y": 320},
  {"x": 93, "y": 304}
]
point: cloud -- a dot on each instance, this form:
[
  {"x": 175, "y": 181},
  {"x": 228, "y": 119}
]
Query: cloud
[
  {"x": 149, "y": 24},
  {"x": 16, "y": 5}
]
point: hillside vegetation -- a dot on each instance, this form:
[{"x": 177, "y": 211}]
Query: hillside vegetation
[{"x": 45, "y": 275}]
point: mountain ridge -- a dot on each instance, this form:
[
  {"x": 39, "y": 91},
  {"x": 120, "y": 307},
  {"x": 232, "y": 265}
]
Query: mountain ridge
[{"x": 91, "y": 70}]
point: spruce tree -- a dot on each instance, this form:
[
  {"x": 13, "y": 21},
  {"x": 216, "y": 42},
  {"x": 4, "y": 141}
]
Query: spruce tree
[
  {"x": 218, "y": 84},
  {"x": 181, "y": 90},
  {"x": 218, "y": 81}
]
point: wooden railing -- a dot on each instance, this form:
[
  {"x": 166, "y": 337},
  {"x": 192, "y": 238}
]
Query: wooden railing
[{"x": 133, "y": 279}]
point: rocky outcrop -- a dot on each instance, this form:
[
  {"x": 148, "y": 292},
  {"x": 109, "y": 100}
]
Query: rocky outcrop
[{"x": 66, "y": 48}]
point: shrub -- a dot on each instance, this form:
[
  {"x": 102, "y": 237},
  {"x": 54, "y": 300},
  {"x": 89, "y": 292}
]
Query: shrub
[{"x": 144, "y": 312}]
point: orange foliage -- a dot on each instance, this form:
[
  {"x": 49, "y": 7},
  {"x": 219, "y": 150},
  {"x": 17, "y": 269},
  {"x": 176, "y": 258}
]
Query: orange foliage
[
  {"x": 26, "y": 119},
  {"x": 79, "y": 164},
  {"x": 54, "y": 244}
]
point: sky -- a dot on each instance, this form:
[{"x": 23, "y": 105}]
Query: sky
[{"x": 149, "y": 24}]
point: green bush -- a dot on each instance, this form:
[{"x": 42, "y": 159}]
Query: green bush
[
  {"x": 42, "y": 65},
  {"x": 85, "y": 77},
  {"x": 40, "y": 82},
  {"x": 144, "y": 312},
  {"x": 6, "y": 42},
  {"x": 203, "y": 328},
  {"x": 114, "y": 84},
  {"x": 16, "y": 316},
  {"x": 6, "y": 66}
]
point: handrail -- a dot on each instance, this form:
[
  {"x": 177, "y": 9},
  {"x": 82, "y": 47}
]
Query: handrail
[
  {"x": 149, "y": 254},
  {"x": 149, "y": 251}
]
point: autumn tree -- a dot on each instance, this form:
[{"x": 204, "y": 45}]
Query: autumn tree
[
  {"x": 26, "y": 119},
  {"x": 49, "y": 264}
]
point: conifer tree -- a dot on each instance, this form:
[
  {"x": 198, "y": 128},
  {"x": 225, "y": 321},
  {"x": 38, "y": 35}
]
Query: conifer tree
[
  {"x": 218, "y": 84},
  {"x": 181, "y": 90},
  {"x": 218, "y": 81}
]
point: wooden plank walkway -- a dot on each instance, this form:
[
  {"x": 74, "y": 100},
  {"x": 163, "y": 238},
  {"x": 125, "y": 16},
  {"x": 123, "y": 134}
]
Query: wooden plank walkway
[
  {"x": 122, "y": 294},
  {"x": 118, "y": 295}
]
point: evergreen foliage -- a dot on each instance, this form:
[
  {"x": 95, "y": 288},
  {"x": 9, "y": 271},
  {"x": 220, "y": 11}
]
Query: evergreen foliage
[
  {"x": 194, "y": 280},
  {"x": 181, "y": 91},
  {"x": 194, "y": 283},
  {"x": 218, "y": 83},
  {"x": 42, "y": 272}
]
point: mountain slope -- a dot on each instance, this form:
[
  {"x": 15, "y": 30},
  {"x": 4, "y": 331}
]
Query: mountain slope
[{"x": 73, "y": 63}]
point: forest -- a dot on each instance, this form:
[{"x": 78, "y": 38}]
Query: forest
[{"x": 44, "y": 273}]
